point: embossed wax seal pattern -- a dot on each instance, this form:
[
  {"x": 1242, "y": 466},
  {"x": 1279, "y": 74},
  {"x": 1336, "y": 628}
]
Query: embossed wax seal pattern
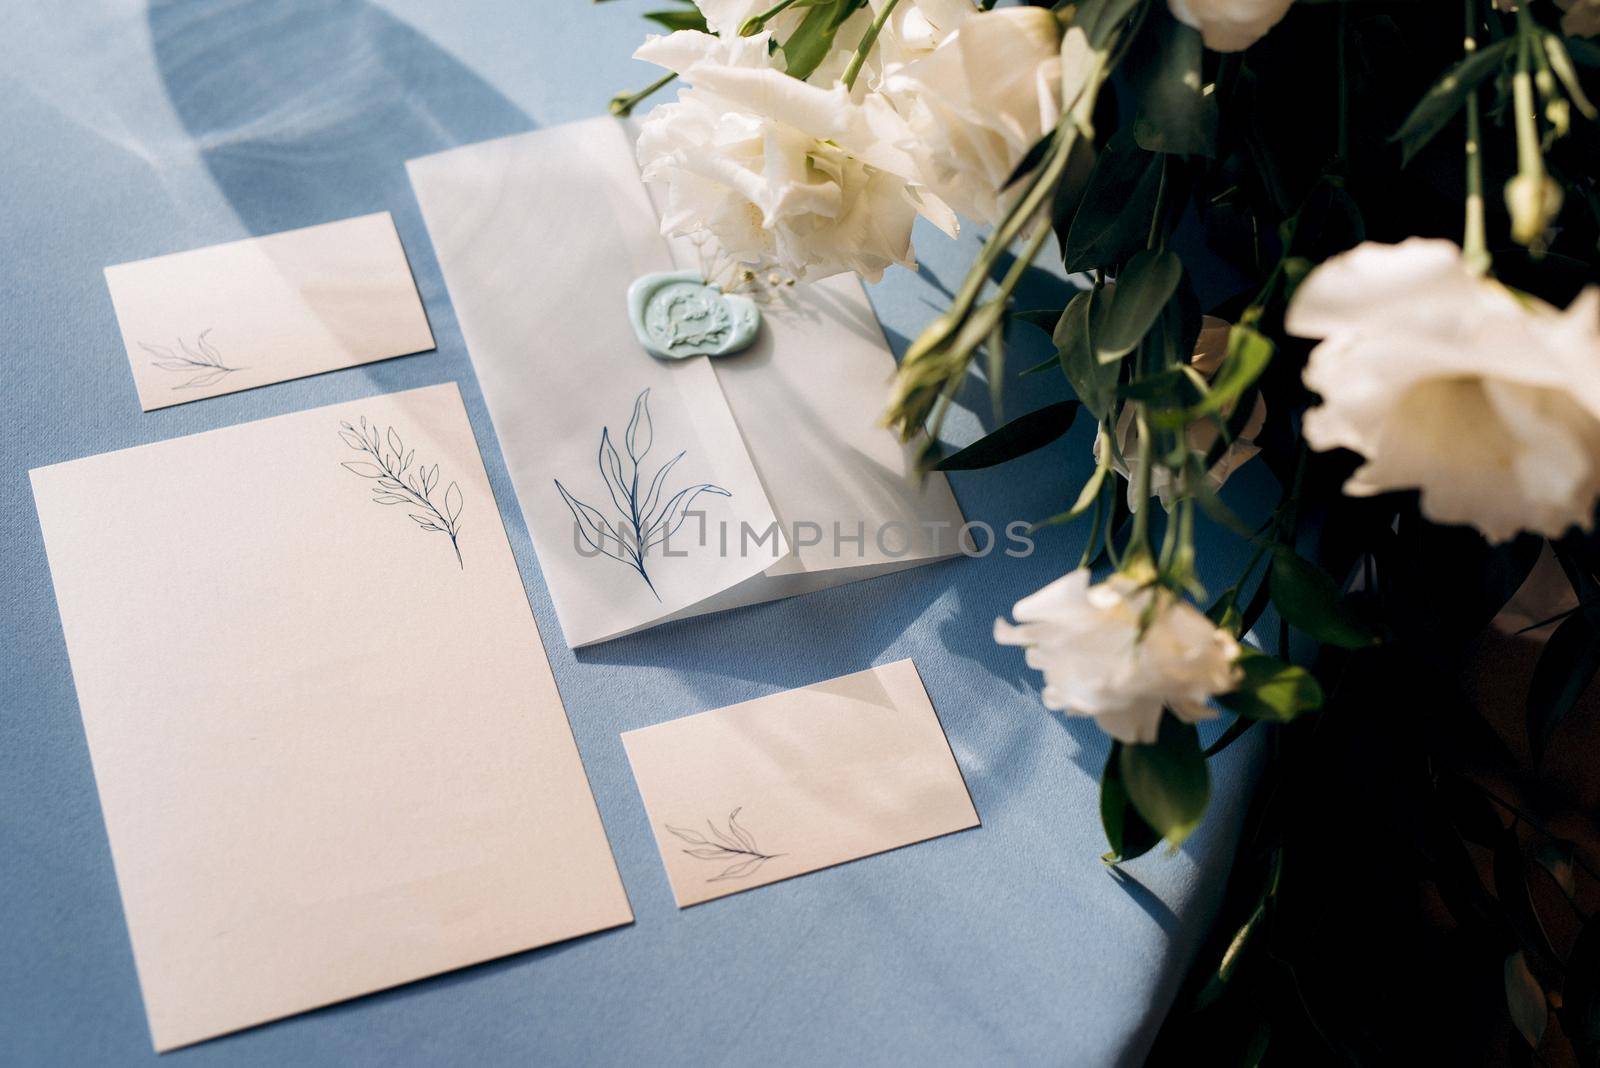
[{"x": 677, "y": 314}]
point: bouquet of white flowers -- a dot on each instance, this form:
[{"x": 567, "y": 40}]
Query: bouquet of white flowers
[{"x": 1410, "y": 190}]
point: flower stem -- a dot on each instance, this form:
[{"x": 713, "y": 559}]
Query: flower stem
[
  {"x": 756, "y": 23},
  {"x": 1474, "y": 245},
  {"x": 623, "y": 103},
  {"x": 1529, "y": 210},
  {"x": 1529, "y": 160},
  {"x": 868, "y": 39},
  {"x": 1139, "y": 537}
]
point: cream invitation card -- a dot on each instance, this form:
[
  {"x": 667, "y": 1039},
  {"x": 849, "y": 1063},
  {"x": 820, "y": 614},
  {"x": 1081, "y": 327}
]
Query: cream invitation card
[
  {"x": 738, "y": 479},
  {"x": 328, "y": 746},
  {"x": 783, "y": 785},
  {"x": 267, "y": 309}
]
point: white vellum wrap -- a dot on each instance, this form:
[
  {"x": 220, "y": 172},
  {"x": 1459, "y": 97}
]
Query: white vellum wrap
[{"x": 538, "y": 236}]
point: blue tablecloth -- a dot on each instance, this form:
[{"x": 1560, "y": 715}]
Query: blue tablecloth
[{"x": 130, "y": 132}]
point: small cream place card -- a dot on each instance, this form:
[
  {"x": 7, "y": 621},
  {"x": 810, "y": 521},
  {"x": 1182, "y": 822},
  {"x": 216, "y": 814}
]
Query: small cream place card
[
  {"x": 772, "y": 788},
  {"x": 329, "y": 749},
  {"x": 267, "y": 309}
]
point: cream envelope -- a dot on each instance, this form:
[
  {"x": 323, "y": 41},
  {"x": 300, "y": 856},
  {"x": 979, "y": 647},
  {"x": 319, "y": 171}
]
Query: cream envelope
[
  {"x": 267, "y": 309},
  {"x": 329, "y": 749},
  {"x": 539, "y": 236},
  {"x": 783, "y": 785}
]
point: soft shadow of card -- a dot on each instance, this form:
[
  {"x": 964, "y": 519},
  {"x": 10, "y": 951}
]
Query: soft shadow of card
[
  {"x": 787, "y": 784},
  {"x": 267, "y": 309},
  {"x": 329, "y": 749}
]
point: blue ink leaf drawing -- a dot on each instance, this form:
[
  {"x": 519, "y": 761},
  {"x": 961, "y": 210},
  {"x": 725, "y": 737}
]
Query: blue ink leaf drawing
[
  {"x": 736, "y": 848},
  {"x": 643, "y": 520},
  {"x": 200, "y": 364},
  {"x": 388, "y": 467}
]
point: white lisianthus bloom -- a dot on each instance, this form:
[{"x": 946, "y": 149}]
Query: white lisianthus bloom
[
  {"x": 977, "y": 103},
  {"x": 1209, "y": 351},
  {"x": 914, "y": 29},
  {"x": 1087, "y": 641},
  {"x": 724, "y": 17},
  {"x": 780, "y": 172},
  {"x": 1486, "y": 401},
  {"x": 1230, "y": 25}
]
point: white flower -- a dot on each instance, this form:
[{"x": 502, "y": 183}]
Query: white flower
[
  {"x": 1209, "y": 350},
  {"x": 1486, "y": 401},
  {"x": 780, "y": 172},
  {"x": 914, "y": 30},
  {"x": 1230, "y": 25},
  {"x": 1087, "y": 641},
  {"x": 976, "y": 103},
  {"x": 724, "y": 17}
]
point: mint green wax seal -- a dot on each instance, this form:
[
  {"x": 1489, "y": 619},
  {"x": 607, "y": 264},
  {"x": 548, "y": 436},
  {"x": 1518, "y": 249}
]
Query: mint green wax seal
[{"x": 677, "y": 314}]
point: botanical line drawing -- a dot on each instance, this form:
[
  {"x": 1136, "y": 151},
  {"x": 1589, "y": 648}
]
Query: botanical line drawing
[
  {"x": 737, "y": 845},
  {"x": 394, "y": 482},
  {"x": 647, "y": 516},
  {"x": 202, "y": 363}
]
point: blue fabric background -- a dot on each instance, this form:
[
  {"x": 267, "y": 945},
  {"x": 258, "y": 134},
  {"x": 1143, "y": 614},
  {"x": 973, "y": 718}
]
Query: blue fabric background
[{"x": 130, "y": 132}]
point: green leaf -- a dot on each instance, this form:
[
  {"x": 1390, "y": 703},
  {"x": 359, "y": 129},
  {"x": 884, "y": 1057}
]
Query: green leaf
[
  {"x": 812, "y": 40},
  {"x": 1127, "y": 833},
  {"x": 1017, "y": 438},
  {"x": 1306, "y": 597},
  {"x": 1050, "y": 363},
  {"x": 1175, "y": 114},
  {"x": 1167, "y": 780},
  {"x": 1249, "y": 352},
  {"x": 1525, "y": 1000},
  {"x": 1113, "y": 220},
  {"x": 1143, "y": 289},
  {"x": 678, "y": 20},
  {"x": 1580, "y": 995},
  {"x": 1094, "y": 382},
  {"x": 1566, "y": 666},
  {"x": 1167, "y": 391},
  {"x": 1440, "y": 104},
  {"x": 1043, "y": 318},
  {"x": 1272, "y": 690}
]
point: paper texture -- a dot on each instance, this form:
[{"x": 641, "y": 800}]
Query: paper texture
[
  {"x": 267, "y": 309},
  {"x": 783, "y": 785},
  {"x": 329, "y": 749},
  {"x": 538, "y": 236}
]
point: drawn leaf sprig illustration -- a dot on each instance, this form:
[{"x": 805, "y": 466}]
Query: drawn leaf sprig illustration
[
  {"x": 737, "y": 846},
  {"x": 647, "y": 514},
  {"x": 395, "y": 482},
  {"x": 202, "y": 363}
]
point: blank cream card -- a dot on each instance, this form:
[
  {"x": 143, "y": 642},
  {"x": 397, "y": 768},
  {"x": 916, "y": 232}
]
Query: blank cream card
[
  {"x": 329, "y": 749},
  {"x": 267, "y": 309},
  {"x": 783, "y": 785}
]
